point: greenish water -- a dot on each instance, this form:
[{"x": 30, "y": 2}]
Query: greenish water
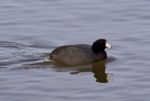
[{"x": 31, "y": 29}]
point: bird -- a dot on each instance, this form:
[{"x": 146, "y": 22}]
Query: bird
[{"x": 80, "y": 54}]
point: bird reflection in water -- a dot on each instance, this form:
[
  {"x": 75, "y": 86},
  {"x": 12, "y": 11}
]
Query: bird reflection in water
[{"x": 98, "y": 69}]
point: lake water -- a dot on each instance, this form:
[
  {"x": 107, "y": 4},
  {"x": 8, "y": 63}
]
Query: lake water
[{"x": 31, "y": 29}]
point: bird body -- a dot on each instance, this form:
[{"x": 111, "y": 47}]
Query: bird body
[{"x": 77, "y": 54}]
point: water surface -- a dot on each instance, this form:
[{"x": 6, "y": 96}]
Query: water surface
[{"x": 31, "y": 29}]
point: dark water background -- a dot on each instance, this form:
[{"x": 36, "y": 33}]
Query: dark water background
[{"x": 30, "y": 29}]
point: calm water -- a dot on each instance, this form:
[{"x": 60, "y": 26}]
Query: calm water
[{"x": 30, "y": 29}]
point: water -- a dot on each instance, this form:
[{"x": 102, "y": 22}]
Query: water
[{"x": 30, "y": 29}]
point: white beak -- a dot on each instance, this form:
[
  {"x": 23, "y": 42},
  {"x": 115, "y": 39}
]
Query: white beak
[{"x": 108, "y": 45}]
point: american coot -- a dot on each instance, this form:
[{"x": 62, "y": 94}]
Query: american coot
[{"x": 80, "y": 53}]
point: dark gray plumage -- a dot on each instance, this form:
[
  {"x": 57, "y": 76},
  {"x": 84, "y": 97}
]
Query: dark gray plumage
[{"x": 81, "y": 53}]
